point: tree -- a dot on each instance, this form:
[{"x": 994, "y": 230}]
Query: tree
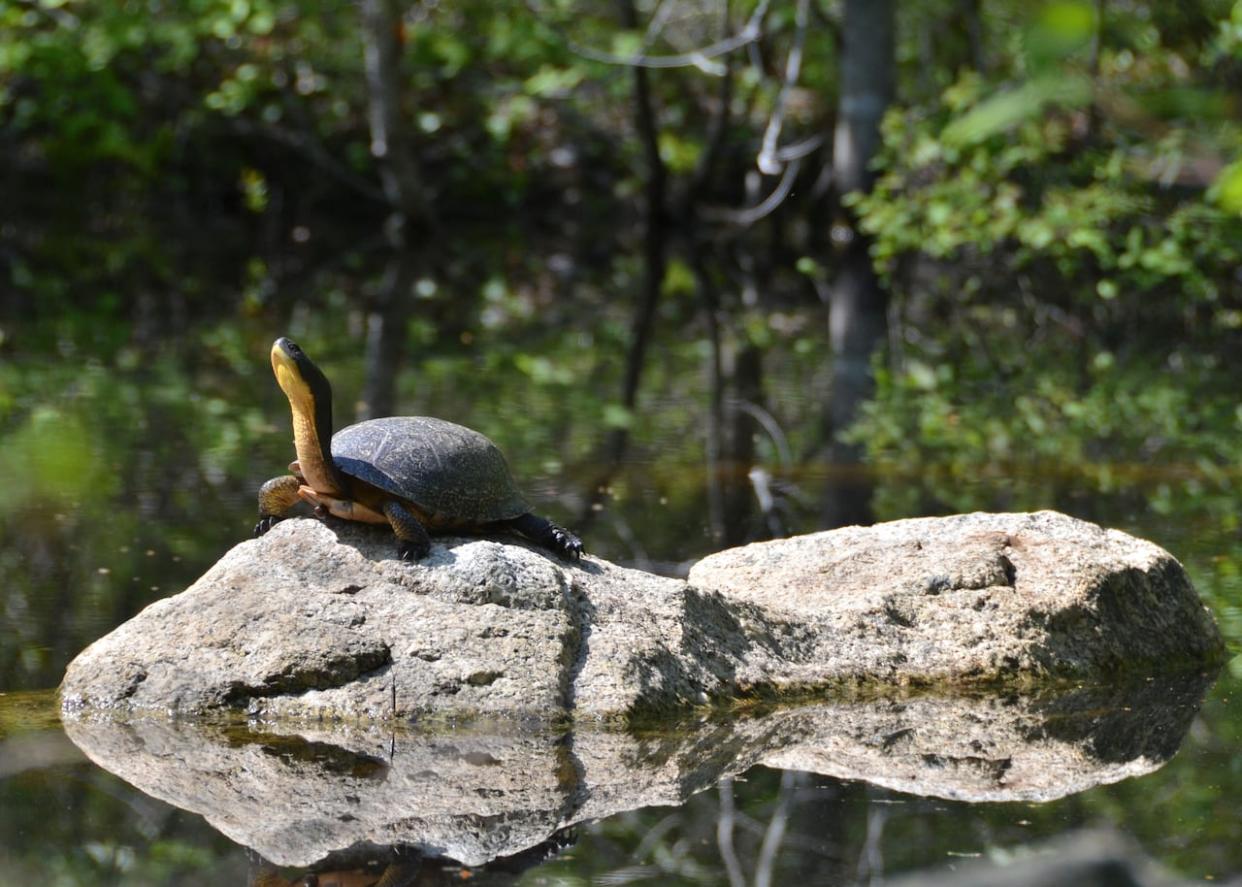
[
  {"x": 409, "y": 204},
  {"x": 858, "y": 303}
]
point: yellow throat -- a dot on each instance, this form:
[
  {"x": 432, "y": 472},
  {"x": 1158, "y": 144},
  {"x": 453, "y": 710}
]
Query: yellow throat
[{"x": 306, "y": 440}]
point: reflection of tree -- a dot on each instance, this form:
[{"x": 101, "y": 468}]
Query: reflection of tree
[
  {"x": 773, "y": 833},
  {"x": 106, "y": 471}
]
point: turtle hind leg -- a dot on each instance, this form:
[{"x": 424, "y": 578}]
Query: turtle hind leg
[
  {"x": 542, "y": 531},
  {"x": 413, "y": 543},
  {"x": 276, "y": 499}
]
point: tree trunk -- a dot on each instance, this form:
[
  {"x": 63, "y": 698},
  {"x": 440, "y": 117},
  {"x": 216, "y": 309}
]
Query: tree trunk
[
  {"x": 385, "y": 348},
  {"x": 655, "y": 261},
  {"x": 408, "y": 202},
  {"x": 390, "y": 136},
  {"x": 858, "y": 304},
  {"x": 741, "y": 456},
  {"x": 654, "y": 236},
  {"x": 972, "y": 12}
]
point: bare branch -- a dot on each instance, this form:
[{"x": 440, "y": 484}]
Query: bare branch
[
  {"x": 767, "y": 161},
  {"x": 697, "y": 58},
  {"x": 776, "y": 829},
  {"x": 800, "y": 149},
  {"x": 746, "y": 217},
  {"x": 783, "y": 451},
  {"x": 724, "y": 834},
  {"x": 658, "y": 20}
]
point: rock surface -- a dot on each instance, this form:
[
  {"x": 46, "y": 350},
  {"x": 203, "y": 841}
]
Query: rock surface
[
  {"x": 297, "y": 793},
  {"x": 972, "y": 596},
  {"x": 316, "y": 620}
]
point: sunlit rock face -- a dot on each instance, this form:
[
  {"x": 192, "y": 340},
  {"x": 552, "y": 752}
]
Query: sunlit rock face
[
  {"x": 968, "y": 598},
  {"x": 299, "y": 792},
  {"x": 316, "y": 620}
]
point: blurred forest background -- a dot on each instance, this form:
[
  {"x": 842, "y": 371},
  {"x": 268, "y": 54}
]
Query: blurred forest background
[{"x": 707, "y": 271}]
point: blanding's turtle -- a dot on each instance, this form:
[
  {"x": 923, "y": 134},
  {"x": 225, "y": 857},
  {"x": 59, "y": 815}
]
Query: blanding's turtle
[{"x": 413, "y": 473}]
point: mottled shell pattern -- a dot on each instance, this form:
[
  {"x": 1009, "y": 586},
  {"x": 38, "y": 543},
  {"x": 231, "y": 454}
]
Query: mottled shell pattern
[{"x": 441, "y": 467}]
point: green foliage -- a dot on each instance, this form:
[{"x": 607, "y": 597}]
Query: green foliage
[
  {"x": 1034, "y": 198},
  {"x": 52, "y": 462},
  {"x": 1227, "y": 189}
]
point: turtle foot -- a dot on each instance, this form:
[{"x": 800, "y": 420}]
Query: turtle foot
[
  {"x": 565, "y": 543},
  {"x": 411, "y": 550},
  {"x": 557, "y": 540},
  {"x": 413, "y": 543},
  {"x": 265, "y": 523}
]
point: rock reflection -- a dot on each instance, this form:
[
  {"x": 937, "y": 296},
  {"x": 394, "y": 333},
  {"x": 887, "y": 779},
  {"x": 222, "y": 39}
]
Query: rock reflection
[
  {"x": 301, "y": 794},
  {"x": 370, "y": 865}
]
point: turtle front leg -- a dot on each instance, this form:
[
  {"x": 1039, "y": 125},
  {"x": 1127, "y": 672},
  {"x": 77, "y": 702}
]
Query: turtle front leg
[
  {"x": 413, "y": 543},
  {"x": 276, "y": 499},
  {"x": 345, "y": 509},
  {"x": 543, "y": 532}
]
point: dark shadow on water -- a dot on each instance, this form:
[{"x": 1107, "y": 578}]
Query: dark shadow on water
[
  {"x": 1167, "y": 703},
  {"x": 321, "y": 756}
]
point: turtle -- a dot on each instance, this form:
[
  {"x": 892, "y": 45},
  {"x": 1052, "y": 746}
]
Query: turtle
[{"x": 413, "y": 473}]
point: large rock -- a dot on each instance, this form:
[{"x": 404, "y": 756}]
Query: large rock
[{"x": 317, "y": 620}]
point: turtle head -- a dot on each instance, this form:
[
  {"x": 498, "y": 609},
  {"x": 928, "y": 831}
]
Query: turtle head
[
  {"x": 310, "y": 397},
  {"x": 302, "y": 382}
]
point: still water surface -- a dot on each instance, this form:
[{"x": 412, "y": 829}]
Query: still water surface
[
  {"x": 130, "y": 467},
  {"x": 67, "y": 820}
]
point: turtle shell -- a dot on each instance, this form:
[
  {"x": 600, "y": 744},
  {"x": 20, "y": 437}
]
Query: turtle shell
[{"x": 441, "y": 467}]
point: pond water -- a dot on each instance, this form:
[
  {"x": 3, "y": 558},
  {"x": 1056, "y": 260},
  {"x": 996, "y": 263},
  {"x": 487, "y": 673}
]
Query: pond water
[
  {"x": 68, "y": 820},
  {"x": 131, "y": 444}
]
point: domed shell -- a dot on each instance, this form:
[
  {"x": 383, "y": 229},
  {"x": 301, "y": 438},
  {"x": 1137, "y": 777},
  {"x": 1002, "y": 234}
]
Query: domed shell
[{"x": 441, "y": 467}]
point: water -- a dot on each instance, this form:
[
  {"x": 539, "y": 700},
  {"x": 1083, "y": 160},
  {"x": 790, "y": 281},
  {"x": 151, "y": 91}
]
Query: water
[
  {"x": 132, "y": 447},
  {"x": 66, "y": 820}
]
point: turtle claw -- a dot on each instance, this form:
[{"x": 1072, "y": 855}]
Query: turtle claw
[
  {"x": 411, "y": 550},
  {"x": 570, "y": 545},
  {"x": 542, "y": 531},
  {"x": 265, "y": 523}
]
